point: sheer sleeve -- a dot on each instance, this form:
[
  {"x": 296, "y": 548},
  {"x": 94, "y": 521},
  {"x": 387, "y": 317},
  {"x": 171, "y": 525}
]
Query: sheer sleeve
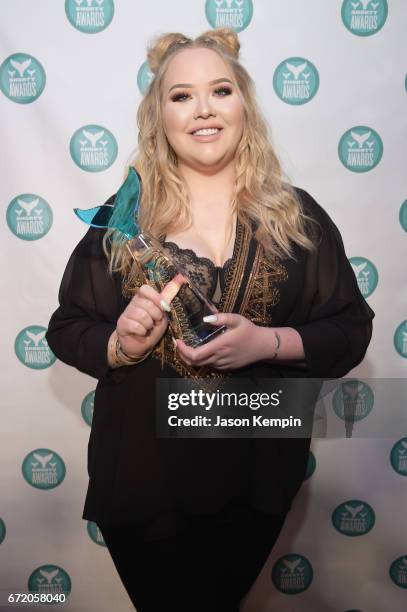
[
  {"x": 338, "y": 325},
  {"x": 89, "y": 305}
]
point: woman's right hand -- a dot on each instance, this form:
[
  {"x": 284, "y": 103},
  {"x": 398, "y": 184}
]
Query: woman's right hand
[{"x": 143, "y": 322}]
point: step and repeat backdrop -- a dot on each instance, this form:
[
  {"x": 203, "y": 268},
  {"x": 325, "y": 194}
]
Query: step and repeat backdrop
[{"x": 331, "y": 80}]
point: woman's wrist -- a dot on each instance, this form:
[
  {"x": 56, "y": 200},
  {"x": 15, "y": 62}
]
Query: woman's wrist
[
  {"x": 280, "y": 344},
  {"x": 117, "y": 357}
]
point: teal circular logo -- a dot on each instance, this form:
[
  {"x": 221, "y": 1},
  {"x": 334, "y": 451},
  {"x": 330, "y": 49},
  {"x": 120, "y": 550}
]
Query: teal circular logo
[
  {"x": 31, "y": 348},
  {"x": 93, "y": 148},
  {"x": 235, "y": 14},
  {"x": 292, "y": 574},
  {"x": 144, "y": 78},
  {"x": 353, "y": 400},
  {"x": 95, "y": 534},
  {"x": 29, "y": 216},
  {"x": 400, "y": 339},
  {"x": 360, "y": 149},
  {"x": 398, "y": 457},
  {"x": 50, "y": 580},
  {"x": 89, "y": 16},
  {"x": 403, "y": 215},
  {"x": 364, "y": 17},
  {"x": 353, "y": 518},
  {"x": 43, "y": 469},
  {"x": 311, "y": 465},
  {"x": 398, "y": 572},
  {"x": 22, "y": 78},
  {"x": 366, "y": 275},
  {"x": 2, "y": 530},
  {"x": 296, "y": 80},
  {"x": 87, "y": 407}
]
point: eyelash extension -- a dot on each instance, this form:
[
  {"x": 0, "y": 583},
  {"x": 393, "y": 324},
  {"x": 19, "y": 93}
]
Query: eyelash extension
[{"x": 179, "y": 95}]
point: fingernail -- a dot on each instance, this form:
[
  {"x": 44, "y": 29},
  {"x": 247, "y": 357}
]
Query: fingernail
[
  {"x": 175, "y": 343},
  {"x": 165, "y": 306},
  {"x": 210, "y": 319}
]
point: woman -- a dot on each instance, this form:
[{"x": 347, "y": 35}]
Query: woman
[{"x": 190, "y": 522}]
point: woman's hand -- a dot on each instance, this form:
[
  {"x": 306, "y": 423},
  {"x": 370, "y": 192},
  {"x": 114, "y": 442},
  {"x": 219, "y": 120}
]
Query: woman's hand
[
  {"x": 143, "y": 322},
  {"x": 242, "y": 343}
]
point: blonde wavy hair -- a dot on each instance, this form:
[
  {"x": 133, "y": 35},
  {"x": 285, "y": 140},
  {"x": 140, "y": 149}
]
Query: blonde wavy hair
[{"x": 260, "y": 192}]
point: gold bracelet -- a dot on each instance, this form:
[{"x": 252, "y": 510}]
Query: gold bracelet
[
  {"x": 125, "y": 359},
  {"x": 278, "y": 342}
]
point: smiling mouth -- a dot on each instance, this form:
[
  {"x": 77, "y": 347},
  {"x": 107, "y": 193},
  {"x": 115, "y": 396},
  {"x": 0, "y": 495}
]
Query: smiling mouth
[{"x": 206, "y": 132}]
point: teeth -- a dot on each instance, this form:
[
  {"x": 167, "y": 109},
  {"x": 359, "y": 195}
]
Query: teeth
[{"x": 206, "y": 132}]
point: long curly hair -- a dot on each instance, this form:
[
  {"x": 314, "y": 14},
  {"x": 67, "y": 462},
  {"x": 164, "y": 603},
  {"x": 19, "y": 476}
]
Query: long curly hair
[{"x": 260, "y": 192}]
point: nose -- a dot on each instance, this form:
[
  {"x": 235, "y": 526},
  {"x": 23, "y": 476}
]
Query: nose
[{"x": 203, "y": 108}]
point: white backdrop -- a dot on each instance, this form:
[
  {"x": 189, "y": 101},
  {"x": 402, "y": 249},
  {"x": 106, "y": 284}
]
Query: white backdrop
[{"x": 349, "y": 70}]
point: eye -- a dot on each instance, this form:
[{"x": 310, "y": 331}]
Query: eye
[
  {"x": 221, "y": 91},
  {"x": 225, "y": 90}
]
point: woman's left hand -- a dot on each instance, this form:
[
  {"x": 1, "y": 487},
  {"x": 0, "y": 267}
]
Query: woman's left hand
[{"x": 238, "y": 346}]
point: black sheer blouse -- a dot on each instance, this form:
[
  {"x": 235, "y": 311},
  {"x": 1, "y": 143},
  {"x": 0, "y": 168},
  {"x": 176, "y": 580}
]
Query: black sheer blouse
[{"x": 135, "y": 476}]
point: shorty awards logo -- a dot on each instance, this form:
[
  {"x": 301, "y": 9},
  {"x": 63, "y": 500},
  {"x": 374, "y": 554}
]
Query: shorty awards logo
[
  {"x": 89, "y": 16},
  {"x": 360, "y": 149},
  {"x": 236, "y": 14},
  {"x": 29, "y": 216},
  {"x": 93, "y": 148},
  {"x": 2, "y": 530},
  {"x": 31, "y": 348},
  {"x": 43, "y": 469},
  {"x": 50, "y": 579},
  {"x": 22, "y": 78},
  {"x": 364, "y": 17},
  {"x": 400, "y": 339},
  {"x": 95, "y": 534},
  {"x": 398, "y": 457},
  {"x": 144, "y": 77},
  {"x": 87, "y": 407},
  {"x": 311, "y": 465},
  {"x": 292, "y": 574},
  {"x": 398, "y": 572},
  {"x": 353, "y": 518},
  {"x": 403, "y": 215},
  {"x": 366, "y": 275},
  {"x": 353, "y": 401},
  {"x": 296, "y": 80}
]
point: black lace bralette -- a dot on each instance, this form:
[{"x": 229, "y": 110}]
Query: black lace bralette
[{"x": 202, "y": 271}]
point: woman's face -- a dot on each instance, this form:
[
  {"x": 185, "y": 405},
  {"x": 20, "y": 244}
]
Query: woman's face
[{"x": 199, "y": 92}]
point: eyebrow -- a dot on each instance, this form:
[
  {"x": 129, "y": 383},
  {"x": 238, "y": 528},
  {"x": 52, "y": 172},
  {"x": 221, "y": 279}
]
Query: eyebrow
[{"x": 190, "y": 84}]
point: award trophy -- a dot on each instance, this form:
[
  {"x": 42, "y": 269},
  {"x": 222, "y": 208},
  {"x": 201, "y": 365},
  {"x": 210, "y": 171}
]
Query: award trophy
[{"x": 189, "y": 304}]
